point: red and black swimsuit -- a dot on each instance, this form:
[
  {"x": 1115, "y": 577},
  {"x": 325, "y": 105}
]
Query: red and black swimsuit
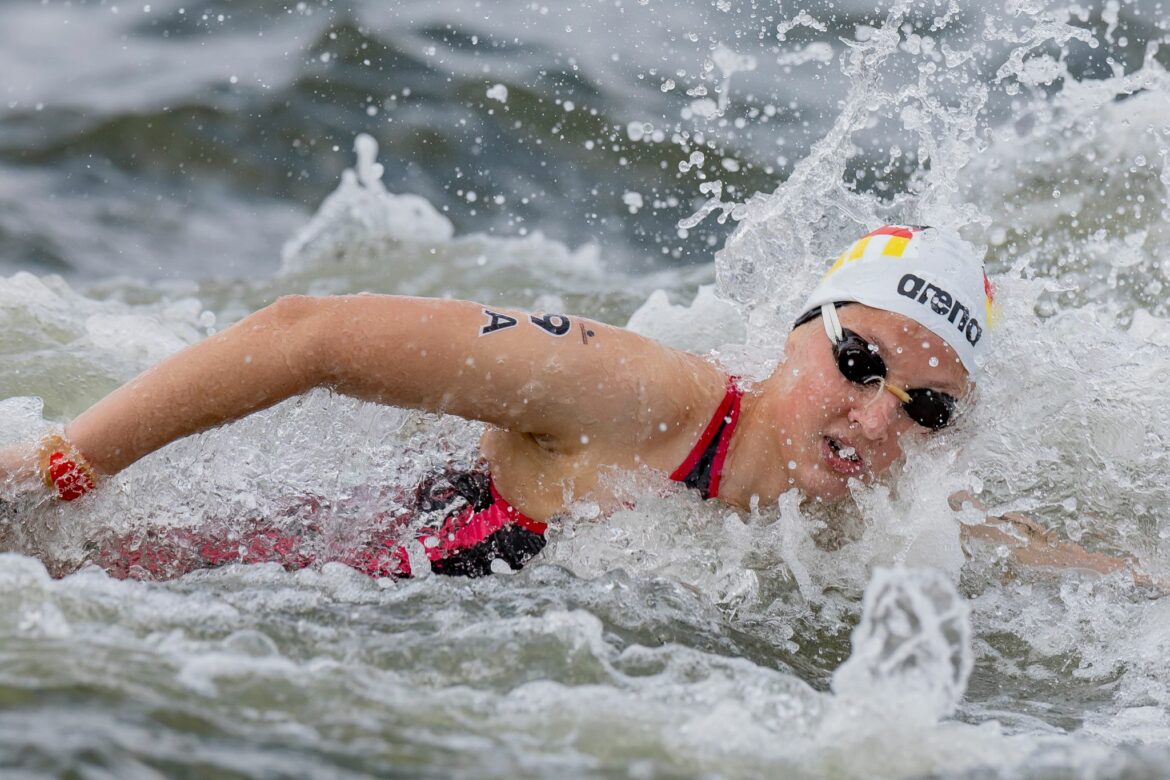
[
  {"x": 481, "y": 528},
  {"x": 703, "y": 467}
]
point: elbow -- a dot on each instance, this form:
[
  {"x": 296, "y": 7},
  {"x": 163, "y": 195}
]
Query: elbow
[
  {"x": 292, "y": 310},
  {"x": 298, "y": 335}
]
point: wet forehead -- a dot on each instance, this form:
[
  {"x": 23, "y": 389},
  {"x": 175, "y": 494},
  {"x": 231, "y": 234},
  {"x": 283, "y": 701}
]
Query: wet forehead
[{"x": 911, "y": 351}]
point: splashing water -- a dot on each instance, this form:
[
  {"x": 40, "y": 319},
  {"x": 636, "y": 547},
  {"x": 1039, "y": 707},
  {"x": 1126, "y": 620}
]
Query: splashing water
[
  {"x": 673, "y": 637},
  {"x": 361, "y": 210},
  {"x": 912, "y": 650}
]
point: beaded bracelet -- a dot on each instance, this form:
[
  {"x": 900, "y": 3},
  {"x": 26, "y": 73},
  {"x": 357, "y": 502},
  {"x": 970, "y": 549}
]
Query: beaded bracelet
[{"x": 64, "y": 468}]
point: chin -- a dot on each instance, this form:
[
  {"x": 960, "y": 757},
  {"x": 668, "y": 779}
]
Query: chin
[{"x": 822, "y": 484}]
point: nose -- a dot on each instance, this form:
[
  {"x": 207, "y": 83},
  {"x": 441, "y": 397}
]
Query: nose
[{"x": 875, "y": 414}]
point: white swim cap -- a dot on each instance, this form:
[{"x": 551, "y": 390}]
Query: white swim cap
[{"x": 929, "y": 275}]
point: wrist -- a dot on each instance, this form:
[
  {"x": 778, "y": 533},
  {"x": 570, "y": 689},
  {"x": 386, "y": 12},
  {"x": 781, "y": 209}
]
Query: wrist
[{"x": 64, "y": 469}]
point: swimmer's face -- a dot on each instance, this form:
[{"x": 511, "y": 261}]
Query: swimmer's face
[{"x": 832, "y": 429}]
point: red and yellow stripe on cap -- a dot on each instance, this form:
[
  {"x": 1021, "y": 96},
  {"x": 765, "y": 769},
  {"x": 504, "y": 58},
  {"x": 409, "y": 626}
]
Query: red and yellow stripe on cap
[
  {"x": 989, "y": 301},
  {"x": 886, "y": 241}
]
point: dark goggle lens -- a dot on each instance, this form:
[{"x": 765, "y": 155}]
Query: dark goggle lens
[
  {"x": 861, "y": 364},
  {"x": 930, "y": 408},
  {"x": 857, "y": 360}
]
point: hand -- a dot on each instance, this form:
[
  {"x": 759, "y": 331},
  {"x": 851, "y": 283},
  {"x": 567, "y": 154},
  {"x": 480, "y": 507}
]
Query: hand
[
  {"x": 21, "y": 487},
  {"x": 19, "y": 471}
]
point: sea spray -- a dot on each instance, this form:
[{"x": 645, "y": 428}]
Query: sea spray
[{"x": 912, "y": 650}]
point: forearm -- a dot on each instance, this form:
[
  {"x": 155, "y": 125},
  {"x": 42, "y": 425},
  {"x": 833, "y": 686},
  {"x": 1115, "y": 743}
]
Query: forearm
[
  {"x": 1034, "y": 547},
  {"x": 411, "y": 352},
  {"x": 251, "y": 365},
  {"x": 1030, "y": 544}
]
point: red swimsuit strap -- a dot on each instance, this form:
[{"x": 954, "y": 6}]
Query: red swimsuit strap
[
  {"x": 725, "y": 440},
  {"x": 712, "y": 445}
]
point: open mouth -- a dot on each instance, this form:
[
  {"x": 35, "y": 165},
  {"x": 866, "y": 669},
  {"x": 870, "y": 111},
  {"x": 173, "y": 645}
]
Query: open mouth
[{"x": 842, "y": 458}]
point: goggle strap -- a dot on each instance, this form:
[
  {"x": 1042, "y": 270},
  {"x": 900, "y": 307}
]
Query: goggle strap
[
  {"x": 832, "y": 323},
  {"x": 897, "y": 392}
]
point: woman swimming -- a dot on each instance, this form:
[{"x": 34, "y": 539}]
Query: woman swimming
[{"x": 888, "y": 347}]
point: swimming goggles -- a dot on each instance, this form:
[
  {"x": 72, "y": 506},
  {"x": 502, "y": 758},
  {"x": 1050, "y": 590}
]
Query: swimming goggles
[{"x": 859, "y": 362}]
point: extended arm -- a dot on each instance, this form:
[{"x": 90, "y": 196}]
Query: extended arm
[
  {"x": 1030, "y": 544},
  {"x": 550, "y": 375}
]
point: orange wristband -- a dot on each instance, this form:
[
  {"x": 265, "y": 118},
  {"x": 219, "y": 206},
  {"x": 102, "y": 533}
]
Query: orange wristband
[{"x": 64, "y": 469}]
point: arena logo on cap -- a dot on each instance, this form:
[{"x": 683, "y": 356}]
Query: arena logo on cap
[{"x": 942, "y": 303}]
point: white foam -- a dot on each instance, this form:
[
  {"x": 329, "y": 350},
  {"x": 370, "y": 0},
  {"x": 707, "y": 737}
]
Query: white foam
[
  {"x": 912, "y": 650},
  {"x": 706, "y": 323},
  {"x": 361, "y": 211}
]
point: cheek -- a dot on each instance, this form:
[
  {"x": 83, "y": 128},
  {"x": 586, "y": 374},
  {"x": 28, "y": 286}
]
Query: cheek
[{"x": 822, "y": 396}]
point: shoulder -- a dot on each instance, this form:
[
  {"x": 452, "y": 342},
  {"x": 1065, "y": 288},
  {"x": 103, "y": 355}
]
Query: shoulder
[{"x": 672, "y": 403}]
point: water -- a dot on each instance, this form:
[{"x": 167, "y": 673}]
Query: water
[{"x": 166, "y": 169}]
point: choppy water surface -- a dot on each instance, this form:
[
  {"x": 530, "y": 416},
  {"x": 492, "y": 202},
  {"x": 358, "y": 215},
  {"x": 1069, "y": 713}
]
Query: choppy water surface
[{"x": 167, "y": 168}]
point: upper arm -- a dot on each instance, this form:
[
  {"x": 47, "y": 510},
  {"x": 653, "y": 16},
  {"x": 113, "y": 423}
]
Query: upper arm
[{"x": 551, "y": 374}]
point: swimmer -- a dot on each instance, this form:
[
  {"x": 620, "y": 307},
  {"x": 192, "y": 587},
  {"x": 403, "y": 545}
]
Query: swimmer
[{"x": 887, "y": 349}]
